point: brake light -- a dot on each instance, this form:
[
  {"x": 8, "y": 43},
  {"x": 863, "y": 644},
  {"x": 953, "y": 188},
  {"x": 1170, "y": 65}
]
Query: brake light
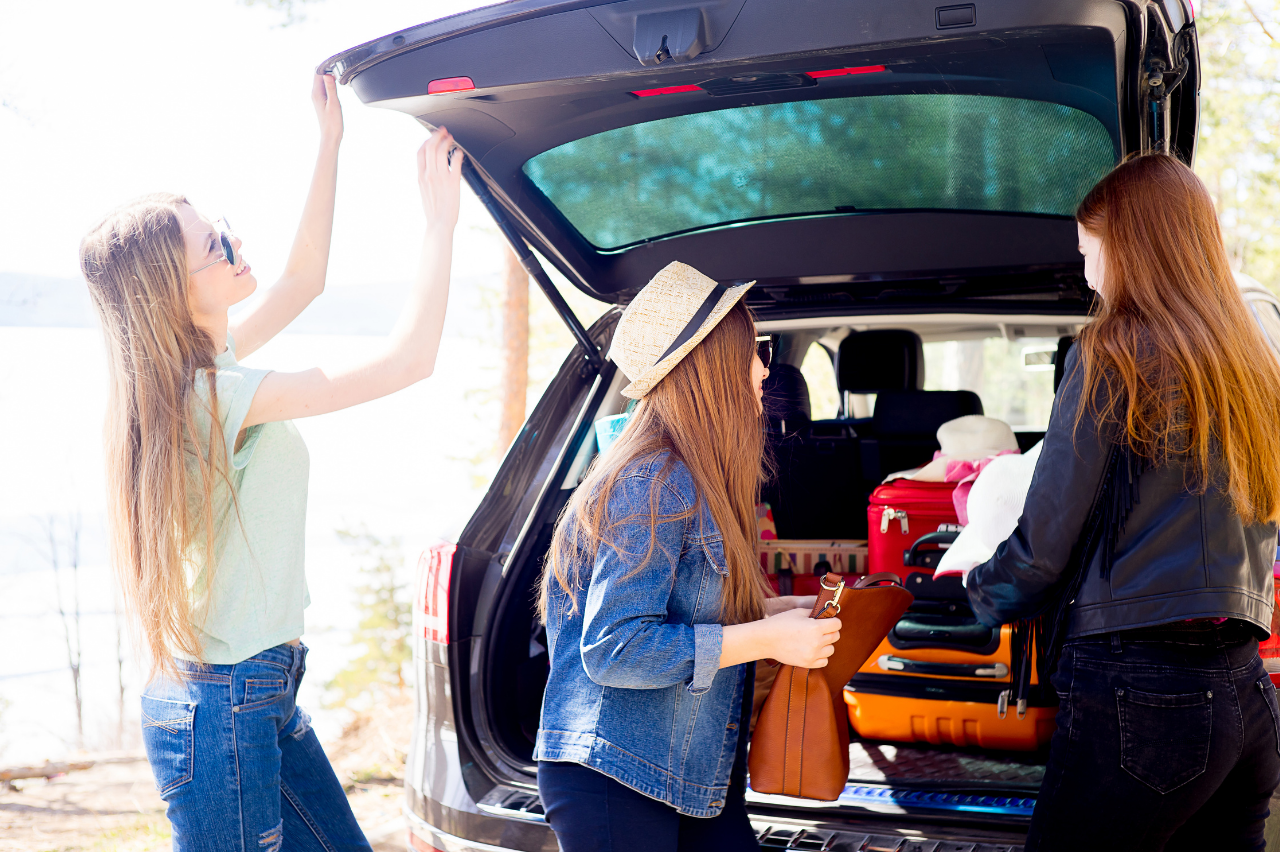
[
  {"x": 843, "y": 72},
  {"x": 450, "y": 84},
  {"x": 665, "y": 90},
  {"x": 417, "y": 843},
  {"x": 435, "y": 566}
]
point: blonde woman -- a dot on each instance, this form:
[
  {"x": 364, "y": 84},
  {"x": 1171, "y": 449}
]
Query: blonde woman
[
  {"x": 653, "y": 597},
  {"x": 208, "y": 491}
]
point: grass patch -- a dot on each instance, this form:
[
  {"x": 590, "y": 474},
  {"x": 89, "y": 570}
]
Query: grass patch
[{"x": 147, "y": 833}]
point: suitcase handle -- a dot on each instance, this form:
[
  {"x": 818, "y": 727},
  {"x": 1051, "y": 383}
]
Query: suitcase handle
[
  {"x": 941, "y": 537},
  {"x": 890, "y": 663}
]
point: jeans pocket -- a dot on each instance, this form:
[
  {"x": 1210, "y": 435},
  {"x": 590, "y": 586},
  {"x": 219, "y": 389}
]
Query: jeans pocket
[
  {"x": 1164, "y": 739},
  {"x": 1268, "y": 689},
  {"x": 261, "y": 691},
  {"x": 168, "y": 733}
]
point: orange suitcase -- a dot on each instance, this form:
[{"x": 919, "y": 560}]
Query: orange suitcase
[{"x": 941, "y": 676}]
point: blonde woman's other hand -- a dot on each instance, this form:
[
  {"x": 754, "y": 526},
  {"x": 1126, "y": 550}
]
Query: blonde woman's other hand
[
  {"x": 324, "y": 97},
  {"x": 792, "y": 637},
  {"x": 439, "y": 179}
]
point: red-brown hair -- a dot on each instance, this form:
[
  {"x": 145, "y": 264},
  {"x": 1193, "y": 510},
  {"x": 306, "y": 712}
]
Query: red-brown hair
[{"x": 1174, "y": 357}]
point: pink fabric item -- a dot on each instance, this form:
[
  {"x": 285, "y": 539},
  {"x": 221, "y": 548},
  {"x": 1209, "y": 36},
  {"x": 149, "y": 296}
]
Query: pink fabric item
[{"x": 965, "y": 473}]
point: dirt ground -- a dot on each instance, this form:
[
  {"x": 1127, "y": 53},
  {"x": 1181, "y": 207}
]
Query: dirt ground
[{"x": 114, "y": 805}]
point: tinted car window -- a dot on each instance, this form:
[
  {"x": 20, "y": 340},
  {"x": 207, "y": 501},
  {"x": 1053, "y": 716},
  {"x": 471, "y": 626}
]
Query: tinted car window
[
  {"x": 884, "y": 152},
  {"x": 1014, "y": 378}
]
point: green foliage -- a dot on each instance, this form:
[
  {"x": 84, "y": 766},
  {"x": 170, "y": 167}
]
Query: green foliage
[
  {"x": 1238, "y": 153},
  {"x": 386, "y": 622}
]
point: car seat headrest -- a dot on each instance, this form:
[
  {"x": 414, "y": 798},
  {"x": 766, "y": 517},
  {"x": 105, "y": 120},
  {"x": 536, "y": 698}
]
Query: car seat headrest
[
  {"x": 917, "y": 414},
  {"x": 890, "y": 359},
  {"x": 786, "y": 396},
  {"x": 1060, "y": 360}
]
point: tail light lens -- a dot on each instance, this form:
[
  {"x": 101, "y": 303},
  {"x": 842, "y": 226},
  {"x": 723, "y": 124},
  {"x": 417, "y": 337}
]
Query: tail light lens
[
  {"x": 435, "y": 567},
  {"x": 419, "y": 845},
  {"x": 450, "y": 84},
  {"x": 665, "y": 90},
  {"x": 844, "y": 72}
]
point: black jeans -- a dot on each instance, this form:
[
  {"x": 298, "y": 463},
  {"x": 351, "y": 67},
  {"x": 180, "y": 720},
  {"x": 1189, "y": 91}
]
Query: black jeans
[
  {"x": 591, "y": 812},
  {"x": 1168, "y": 739}
]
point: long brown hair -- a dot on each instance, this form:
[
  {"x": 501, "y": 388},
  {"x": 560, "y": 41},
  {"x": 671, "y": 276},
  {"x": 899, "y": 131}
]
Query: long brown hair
[
  {"x": 704, "y": 413},
  {"x": 135, "y": 263},
  {"x": 1173, "y": 356}
]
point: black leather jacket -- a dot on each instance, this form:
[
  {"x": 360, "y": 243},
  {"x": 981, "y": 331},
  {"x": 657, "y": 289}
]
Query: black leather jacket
[{"x": 1180, "y": 555}]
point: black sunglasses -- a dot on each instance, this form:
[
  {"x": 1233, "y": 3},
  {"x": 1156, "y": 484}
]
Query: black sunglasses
[
  {"x": 764, "y": 348},
  {"x": 223, "y": 230}
]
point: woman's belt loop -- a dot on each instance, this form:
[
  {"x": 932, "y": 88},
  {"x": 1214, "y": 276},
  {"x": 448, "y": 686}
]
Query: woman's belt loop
[{"x": 1116, "y": 648}]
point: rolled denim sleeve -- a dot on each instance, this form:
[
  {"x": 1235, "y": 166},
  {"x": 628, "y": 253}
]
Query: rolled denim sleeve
[
  {"x": 706, "y": 656},
  {"x": 627, "y": 639}
]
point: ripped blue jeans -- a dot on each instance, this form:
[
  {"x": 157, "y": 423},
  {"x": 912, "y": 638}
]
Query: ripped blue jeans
[{"x": 238, "y": 764}]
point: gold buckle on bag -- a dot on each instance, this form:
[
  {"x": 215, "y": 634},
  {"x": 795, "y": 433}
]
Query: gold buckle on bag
[{"x": 838, "y": 588}]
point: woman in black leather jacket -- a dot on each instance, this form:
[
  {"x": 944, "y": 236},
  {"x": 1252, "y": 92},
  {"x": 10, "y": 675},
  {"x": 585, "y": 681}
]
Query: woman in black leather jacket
[{"x": 1149, "y": 536}]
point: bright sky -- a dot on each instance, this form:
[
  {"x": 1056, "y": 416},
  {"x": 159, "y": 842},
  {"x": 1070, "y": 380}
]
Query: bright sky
[{"x": 209, "y": 98}]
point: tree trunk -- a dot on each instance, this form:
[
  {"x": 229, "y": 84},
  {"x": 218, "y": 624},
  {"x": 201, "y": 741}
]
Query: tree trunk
[{"x": 515, "y": 349}]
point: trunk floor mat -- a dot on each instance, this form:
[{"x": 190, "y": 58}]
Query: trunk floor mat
[{"x": 923, "y": 765}]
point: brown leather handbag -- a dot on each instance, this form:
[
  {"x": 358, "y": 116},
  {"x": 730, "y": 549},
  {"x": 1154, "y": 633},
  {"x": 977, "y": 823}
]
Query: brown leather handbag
[{"x": 800, "y": 746}]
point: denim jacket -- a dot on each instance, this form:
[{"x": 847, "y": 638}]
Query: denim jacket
[{"x": 635, "y": 689}]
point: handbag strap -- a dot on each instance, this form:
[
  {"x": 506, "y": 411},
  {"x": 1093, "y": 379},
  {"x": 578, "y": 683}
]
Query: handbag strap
[{"x": 878, "y": 578}]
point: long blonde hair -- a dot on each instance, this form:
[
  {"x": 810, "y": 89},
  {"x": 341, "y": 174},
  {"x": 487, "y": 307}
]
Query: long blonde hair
[
  {"x": 135, "y": 263},
  {"x": 1174, "y": 358},
  {"x": 704, "y": 413}
]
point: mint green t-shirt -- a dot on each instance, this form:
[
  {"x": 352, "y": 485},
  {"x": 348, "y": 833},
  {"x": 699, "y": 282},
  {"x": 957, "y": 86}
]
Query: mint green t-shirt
[{"x": 254, "y": 596}]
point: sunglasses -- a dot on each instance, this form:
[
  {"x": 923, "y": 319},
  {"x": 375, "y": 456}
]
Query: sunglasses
[
  {"x": 223, "y": 229},
  {"x": 764, "y": 348}
]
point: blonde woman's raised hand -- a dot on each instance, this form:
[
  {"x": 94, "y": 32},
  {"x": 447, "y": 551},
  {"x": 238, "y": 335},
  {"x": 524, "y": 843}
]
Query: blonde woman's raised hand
[
  {"x": 439, "y": 179},
  {"x": 324, "y": 97}
]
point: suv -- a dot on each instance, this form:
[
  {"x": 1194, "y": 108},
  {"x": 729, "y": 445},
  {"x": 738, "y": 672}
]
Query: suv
[{"x": 899, "y": 177}]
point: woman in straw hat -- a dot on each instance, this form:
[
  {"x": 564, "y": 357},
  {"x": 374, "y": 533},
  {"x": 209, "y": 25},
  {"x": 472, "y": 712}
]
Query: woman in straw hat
[
  {"x": 1148, "y": 537},
  {"x": 652, "y": 596}
]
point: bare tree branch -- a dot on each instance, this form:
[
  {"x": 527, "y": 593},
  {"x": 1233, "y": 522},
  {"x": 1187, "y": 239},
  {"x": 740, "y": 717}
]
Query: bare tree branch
[
  {"x": 1249, "y": 6},
  {"x": 70, "y": 620}
]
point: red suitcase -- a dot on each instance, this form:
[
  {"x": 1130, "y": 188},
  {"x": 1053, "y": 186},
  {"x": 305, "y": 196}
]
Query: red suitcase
[{"x": 900, "y": 512}]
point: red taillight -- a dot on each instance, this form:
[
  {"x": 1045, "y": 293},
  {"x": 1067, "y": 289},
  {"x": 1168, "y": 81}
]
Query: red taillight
[
  {"x": 450, "y": 84},
  {"x": 842, "y": 72},
  {"x": 665, "y": 90},
  {"x": 434, "y": 568},
  {"x": 416, "y": 842}
]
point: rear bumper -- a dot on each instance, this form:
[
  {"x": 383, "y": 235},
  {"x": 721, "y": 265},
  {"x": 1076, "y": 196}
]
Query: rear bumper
[
  {"x": 430, "y": 838},
  {"x": 511, "y": 821}
]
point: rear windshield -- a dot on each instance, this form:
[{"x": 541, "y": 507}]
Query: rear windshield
[{"x": 884, "y": 152}]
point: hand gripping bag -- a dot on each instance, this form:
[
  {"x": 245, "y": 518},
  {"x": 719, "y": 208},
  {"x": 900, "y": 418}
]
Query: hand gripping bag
[{"x": 800, "y": 746}]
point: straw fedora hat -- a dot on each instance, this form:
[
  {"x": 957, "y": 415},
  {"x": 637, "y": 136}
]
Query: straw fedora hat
[{"x": 671, "y": 315}]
